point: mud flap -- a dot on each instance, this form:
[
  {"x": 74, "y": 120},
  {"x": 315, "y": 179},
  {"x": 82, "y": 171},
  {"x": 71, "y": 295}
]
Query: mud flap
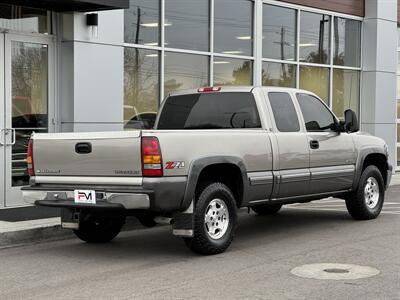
[
  {"x": 70, "y": 218},
  {"x": 183, "y": 223}
]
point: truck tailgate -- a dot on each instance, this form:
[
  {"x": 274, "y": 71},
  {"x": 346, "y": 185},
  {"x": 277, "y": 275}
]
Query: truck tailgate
[{"x": 88, "y": 154}]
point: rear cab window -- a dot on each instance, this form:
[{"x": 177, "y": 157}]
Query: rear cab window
[
  {"x": 222, "y": 110},
  {"x": 285, "y": 114}
]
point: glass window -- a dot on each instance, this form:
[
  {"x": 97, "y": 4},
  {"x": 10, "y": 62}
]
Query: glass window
[
  {"x": 26, "y": 19},
  {"x": 398, "y": 87},
  {"x": 398, "y": 156},
  {"x": 185, "y": 71},
  {"x": 284, "y": 112},
  {"x": 346, "y": 42},
  {"x": 398, "y": 132},
  {"x": 316, "y": 80},
  {"x": 346, "y": 91},
  {"x": 210, "y": 111},
  {"x": 314, "y": 37},
  {"x": 233, "y": 33},
  {"x": 230, "y": 71},
  {"x": 276, "y": 74},
  {"x": 279, "y": 32},
  {"x": 398, "y": 110},
  {"x": 187, "y": 24},
  {"x": 142, "y": 22},
  {"x": 29, "y": 94},
  {"x": 398, "y": 62},
  {"x": 316, "y": 116},
  {"x": 141, "y": 87}
]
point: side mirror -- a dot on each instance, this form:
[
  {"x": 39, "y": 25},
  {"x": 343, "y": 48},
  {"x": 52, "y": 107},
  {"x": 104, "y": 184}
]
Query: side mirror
[{"x": 350, "y": 121}]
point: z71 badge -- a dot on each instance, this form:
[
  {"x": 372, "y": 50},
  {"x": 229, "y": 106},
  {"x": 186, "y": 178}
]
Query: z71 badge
[{"x": 174, "y": 165}]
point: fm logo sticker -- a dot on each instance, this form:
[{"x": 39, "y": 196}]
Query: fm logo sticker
[{"x": 174, "y": 165}]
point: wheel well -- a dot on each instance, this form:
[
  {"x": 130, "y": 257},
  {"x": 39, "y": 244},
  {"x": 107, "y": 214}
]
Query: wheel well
[
  {"x": 228, "y": 174},
  {"x": 378, "y": 160}
]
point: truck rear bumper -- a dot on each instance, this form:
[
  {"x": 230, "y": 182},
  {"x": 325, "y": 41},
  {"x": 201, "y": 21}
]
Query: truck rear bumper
[
  {"x": 162, "y": 194},
  {"x": 107, "y": 200}
]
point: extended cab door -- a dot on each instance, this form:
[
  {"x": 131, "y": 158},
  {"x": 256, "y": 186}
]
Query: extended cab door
[
  {"x": 291, "y": 151},
  {"x": 332, "y": 154}
]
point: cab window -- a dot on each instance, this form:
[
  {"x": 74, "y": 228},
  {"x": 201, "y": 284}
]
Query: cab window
[
  {"x": 317, "y": 116},
  {"x": 284, "y": 112}
]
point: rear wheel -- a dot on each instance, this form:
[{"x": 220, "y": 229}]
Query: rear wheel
[
  {"x": 366, "y": 202},
  {"x": 99, "y": 230},
  {"x": 215, "y": 220},
  {"x": 266, "y": 209}
]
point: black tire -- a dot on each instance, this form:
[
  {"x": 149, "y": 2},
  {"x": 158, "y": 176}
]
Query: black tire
[
  {"x": 99, "y": 230},
  {"x": 266, "y": 209},
  {"x": 356, "y": 202},
  {"x": 202, "y": 242}
]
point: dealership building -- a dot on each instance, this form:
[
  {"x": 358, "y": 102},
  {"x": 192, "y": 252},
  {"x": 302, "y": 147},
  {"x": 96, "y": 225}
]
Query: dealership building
[{"x": 97, "y": 65}]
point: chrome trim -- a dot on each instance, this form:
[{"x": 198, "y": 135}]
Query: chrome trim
[
  {"x": 312, "y": 195},
  {"x": 132, "y": 181},
  {"x": 335, "y": 171}
]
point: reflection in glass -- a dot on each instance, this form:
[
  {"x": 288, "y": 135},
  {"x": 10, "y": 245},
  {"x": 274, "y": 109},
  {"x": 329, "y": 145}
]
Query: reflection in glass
[
  {"x": 398, "y": 132},
  {"x": 398, "y": 156},
  {"x": 346, "y": 91},
  {"x": 29, "y": 86},
  {"x": 141, "y": 87},
  {"x": 398, "y": 110},
  {"x": 279, "y": 32},
  {"x": 316, "y": 80},
  {"x": 230, "y": 71},
  {"x": 141, "y": 22},
  {"x": 398, "y": 87},
  {"x": 346, "y": 42},
  {"x": 398, "y": 63},
  {"x": 233, "y": 22},
  {"x": 25, "y": 19},
  {"x": 314, "y": 37},
  {"x": 185, "y": 71},
  {"x": 187, "y": 24},
  {"x": 276, "y": 74}
]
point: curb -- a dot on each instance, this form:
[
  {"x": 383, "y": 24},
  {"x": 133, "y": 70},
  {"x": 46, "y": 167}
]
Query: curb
[{"x": 15, "y": 237}]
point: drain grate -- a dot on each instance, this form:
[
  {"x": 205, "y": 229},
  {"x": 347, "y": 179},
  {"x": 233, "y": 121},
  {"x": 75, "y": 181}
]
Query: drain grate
[
  {"x": 334, "y": 271},
  {"x": 337, "y": 271}
]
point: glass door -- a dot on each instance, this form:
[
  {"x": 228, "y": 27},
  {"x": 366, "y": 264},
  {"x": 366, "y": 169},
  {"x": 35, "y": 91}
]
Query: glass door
[{"x": 28, "y": 89}]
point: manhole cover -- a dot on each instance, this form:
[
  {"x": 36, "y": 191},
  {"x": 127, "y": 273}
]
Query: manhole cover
[{"x": 334, "y": 271}]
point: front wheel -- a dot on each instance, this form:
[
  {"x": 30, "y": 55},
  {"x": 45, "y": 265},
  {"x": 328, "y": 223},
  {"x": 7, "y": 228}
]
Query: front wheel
[
  {"x": 215, "y": 220},
  {"x": 366, "y": 202},
  {"x": 99, "y": 230}
]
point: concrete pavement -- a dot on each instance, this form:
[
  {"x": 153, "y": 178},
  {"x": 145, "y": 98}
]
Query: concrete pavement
[{"x": 153, "y": 264}]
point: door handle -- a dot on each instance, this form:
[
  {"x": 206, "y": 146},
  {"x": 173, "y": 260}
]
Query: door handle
[
  {"x": 314, "y": 144},
  {"x": 13, "y": 136}
]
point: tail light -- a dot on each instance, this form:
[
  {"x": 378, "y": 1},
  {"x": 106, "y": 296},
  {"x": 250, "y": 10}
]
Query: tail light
[
  {"x": 29, "y": 158},
  {"x": 151, "y": 157}
]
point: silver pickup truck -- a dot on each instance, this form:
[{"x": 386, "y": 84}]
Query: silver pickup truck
[{"x": 212, "y": 151}]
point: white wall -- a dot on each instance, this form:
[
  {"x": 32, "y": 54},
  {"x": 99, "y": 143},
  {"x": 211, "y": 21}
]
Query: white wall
[
  {"x": 378, "y": 94},
  {"x": 91, "y": 73}
]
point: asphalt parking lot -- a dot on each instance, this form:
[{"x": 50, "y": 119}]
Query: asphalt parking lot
[{"x": 153, "y": 264}]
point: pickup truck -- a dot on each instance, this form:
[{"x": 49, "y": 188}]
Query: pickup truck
[{"x": 212, "y": 151}]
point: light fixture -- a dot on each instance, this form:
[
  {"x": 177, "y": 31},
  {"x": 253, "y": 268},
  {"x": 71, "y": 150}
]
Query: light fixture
[
  {"x": 307, "y": 45},
  {"x": 244, "y": 38},
  {"x": 221, "y": 62},
  {"x": 152, "y": 55},
  {"x": 153, "y": 24},
  {"x": 92, "y": 20},
  {"x": 233, "y": 52}
]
